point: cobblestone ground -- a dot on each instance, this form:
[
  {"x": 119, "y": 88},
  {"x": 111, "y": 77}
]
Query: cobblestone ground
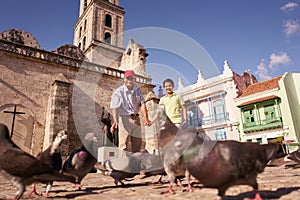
[{"x": 274, "y": 183}]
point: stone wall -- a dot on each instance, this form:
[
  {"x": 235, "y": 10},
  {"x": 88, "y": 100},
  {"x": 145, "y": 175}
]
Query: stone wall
[{"x": 56, "y": 92}]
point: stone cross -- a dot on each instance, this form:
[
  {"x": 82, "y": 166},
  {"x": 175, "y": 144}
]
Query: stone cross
[{"x": 14, "y": 117}]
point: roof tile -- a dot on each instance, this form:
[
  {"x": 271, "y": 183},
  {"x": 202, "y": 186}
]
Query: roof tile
[
  {"x": 258, "y": 100},
  {"x": 261, "y": 86}
]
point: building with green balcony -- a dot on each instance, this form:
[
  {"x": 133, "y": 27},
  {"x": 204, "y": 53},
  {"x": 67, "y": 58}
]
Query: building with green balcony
[
  {"x": 270, "y": 111},
  {"x": 210, "y": 102}
]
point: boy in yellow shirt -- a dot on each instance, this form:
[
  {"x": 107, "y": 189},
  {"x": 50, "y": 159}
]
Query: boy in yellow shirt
[{"x": 174, "y": 104}]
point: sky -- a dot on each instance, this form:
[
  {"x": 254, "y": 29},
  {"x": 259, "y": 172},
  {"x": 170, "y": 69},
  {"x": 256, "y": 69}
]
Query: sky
[{"x": 182, "y": 37}]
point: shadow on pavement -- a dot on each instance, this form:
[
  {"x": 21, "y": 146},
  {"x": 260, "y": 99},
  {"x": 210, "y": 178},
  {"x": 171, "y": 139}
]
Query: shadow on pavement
[{"x": 265, "y": 194}]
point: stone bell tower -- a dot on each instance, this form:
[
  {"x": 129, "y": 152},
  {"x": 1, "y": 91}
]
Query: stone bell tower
[{"x": 99, "y": 30}]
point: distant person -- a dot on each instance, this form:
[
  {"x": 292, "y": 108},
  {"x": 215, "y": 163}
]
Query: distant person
[
  {"x": 106, "y": 120},
  {"x": 126, "y": 103},
  {"x": 174, "y": 104}
]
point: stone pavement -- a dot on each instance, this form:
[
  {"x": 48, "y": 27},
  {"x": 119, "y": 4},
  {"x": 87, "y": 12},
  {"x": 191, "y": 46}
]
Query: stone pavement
[{"x": 274, "y": 183}]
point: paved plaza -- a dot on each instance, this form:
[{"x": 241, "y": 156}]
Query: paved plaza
[{"x": 274, "y": 183}]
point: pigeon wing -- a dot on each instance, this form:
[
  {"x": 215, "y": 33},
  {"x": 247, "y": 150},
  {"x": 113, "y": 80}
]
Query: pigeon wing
[{"x": 19, "y": 163}]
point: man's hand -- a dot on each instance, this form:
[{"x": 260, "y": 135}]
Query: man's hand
[
  {"x": 114, "y": 127},
  {"x": 147, "y": 122}
]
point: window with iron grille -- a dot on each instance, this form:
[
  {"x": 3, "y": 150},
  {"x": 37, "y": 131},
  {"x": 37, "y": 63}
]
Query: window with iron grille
[{"x": 220, "y": 134}]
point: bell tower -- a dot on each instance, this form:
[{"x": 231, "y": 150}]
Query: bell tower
[{"x": 100, "y": 27}]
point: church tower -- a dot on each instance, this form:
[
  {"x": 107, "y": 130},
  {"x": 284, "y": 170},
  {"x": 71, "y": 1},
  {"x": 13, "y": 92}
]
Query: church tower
[{"x": 99, "y": 30}]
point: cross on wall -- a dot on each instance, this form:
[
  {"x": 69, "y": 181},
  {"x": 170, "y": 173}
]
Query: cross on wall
[{"x": 14, "y": 117}]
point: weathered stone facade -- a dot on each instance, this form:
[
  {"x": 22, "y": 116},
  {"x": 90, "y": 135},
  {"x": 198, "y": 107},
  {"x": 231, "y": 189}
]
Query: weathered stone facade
[
  {"x": 56, "y": 90},
  {"x": 67, "y": 88}
]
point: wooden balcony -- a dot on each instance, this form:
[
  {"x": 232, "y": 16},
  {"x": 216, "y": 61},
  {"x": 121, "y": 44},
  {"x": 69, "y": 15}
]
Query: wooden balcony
[{"x": 263, "y": 125}]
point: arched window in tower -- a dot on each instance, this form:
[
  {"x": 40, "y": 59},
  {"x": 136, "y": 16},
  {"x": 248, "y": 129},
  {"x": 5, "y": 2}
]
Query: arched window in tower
[
  {"x": 84, "y": 26},
  {"x": 80, "y": 30},
  {"x": 108, "y": 20},
  {"x": 79, "y": 45},
  {"x": 84, "y": 4},
  {"x": 83, "y": 45},
  {"x": 107, "y": 38}
]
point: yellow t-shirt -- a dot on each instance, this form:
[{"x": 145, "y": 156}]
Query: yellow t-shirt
[{"x": 173, "y": 105}]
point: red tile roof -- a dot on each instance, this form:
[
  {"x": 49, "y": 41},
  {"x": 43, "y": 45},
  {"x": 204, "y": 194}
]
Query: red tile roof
[
  {"x": 261, "y": 86},
  {"x": 257, "y": 100}
]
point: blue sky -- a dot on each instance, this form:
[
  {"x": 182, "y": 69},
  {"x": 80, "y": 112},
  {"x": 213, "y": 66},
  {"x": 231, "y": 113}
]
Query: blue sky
[{"x": 262, "y": 36}]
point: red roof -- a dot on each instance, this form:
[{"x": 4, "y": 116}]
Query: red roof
[
  {"x": 258, "y": 100},
  {"x": 261, "y": 86}
]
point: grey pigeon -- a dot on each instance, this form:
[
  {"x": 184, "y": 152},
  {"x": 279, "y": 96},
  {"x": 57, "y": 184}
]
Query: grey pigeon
[
  {"x": 127, "y": 167},
  {"x": 156, "y": 162},
  {"x": 81, "y": 161},
  {"x": 172, "y": 162},
  {"x": 294, "y": 157},
  {"x": 291, "y": 160},
  {"x": 22, "y": 168},
  {"x": 122, "y": 168},
  {"x": 52, "y": 157},
  {"x": 152, "y": 165},
  {"x": 222, "y": 164}
]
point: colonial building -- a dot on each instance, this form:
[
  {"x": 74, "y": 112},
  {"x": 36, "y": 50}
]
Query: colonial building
[
  {"x": 210, "y": 105},
  {"x": 269, "y": 111},
  {"x": 43, "y": 91}
]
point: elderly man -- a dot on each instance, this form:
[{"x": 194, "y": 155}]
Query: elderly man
[{"x": 126, "y": 103}]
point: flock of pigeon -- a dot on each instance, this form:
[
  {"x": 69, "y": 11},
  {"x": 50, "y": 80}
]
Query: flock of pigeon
[
  {"x": 183, "y": 153},
  {"x": 46, "y": 167}
]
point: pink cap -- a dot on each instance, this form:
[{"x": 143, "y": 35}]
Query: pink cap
[{"x": 129, "y": 73}]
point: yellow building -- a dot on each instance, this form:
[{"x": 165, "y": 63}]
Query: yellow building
[{"x": 269, "y": 111}]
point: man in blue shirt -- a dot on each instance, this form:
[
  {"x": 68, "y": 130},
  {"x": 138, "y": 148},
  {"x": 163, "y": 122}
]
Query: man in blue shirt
[{"x": 126, "y": 103}]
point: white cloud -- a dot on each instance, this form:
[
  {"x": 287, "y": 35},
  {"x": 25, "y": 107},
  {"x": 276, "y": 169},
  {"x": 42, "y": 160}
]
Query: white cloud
[
  {"x": 262, "y": 71},
  {"x": 279, "y": 59},
  {"x": 289, "y": 6},
  {"x": 290, "y": 27}
]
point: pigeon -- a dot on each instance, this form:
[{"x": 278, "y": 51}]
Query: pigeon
[
  {"x": 22, "y": 168},
  {"x": 81, "y": 161},
  {"x": 172, "y": 163},
  {"x": 156, "y": 162},
  {"x": 122, "y": 168},
  {"x": 291, "y": 160},
  {"x": 152, "y": 165},
  {"x": 294, "y": 157},
  {"x": 222, "y": 164},
  {"x": 52, "y": 157},
  {"x": 138, "y": 163}
]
